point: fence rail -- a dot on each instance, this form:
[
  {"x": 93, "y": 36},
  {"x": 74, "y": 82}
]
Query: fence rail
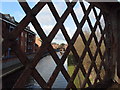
[{"x": 105, "y": 57}]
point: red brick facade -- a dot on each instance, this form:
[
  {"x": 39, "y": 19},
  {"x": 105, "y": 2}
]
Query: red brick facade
[{"x": 26, "y": 39}]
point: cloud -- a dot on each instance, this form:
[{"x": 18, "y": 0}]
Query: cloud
[
  {"x": 47, "y": 20},
  {"x": 78, "y": 11},
  {"x": 19, "y": 15},
  {"x": 47, "y": 29},
  {"x": 60, "y": 6},
  {"x": 45, "y": 17},
  {"x": 59, "y": 38},
  {"x": 32, "y": 28}
]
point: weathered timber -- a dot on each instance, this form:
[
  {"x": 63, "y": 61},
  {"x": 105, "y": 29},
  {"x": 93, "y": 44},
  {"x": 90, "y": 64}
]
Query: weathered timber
[{"x": 110, "y": 36}]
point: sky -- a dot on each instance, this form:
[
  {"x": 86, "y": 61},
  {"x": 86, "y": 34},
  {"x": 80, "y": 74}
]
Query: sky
[{"x": 46, "y": 19}]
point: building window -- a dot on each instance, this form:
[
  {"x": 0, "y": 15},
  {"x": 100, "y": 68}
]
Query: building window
[
  {"x": 29, "y": 34},
  {"x": 25, "y": 50},
  {"x": 28, "y": 47},
  {"x": 25, "y": 35},
  {"x": 11, "y": 28},
  {"x": 25, "y": 44},
  {"x": 17, "y": 39},
  {"x": 22, "y": 34}
]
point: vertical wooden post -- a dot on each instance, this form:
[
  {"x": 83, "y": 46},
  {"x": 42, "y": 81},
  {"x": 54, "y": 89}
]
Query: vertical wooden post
[
  {"x": 118, "y": 59},
  {"x": 112, "y": 46},
  {"x": 115, "y": 45}
]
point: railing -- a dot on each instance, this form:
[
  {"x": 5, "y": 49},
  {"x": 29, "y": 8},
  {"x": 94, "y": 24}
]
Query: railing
[{"x": 104, "y": 38}]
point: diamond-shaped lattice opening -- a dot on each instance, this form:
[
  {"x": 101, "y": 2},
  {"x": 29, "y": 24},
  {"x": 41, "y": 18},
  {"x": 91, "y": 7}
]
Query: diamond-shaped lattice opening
[
  {"x": 71, "y": 63},
  {"x": 102, "y": 22},
  {"x": 86, "y": 30},
  {"x": 58, "y": 5},
  {"x": 92, "y": 76},
  {"x": 59, "y": 43},
  {"x": 31, "y": 83},
  {"x": 92, "y": 17},
  {"x": 93, "y": 46},
  {"x": 60, "y": 81},
  {"x": 98, "y": 80},
  {"x": 86, "y": 85},
  {"x": 102, "y": 47},
  {"x": 97, "y": 10},
  {"x": 46, "y": 19},
  {"x": 105, "y": 36},
  {"x": 70, "y": 26},
  {"x": 86, "y": 62},
  {"x": 102, "y": 73},
  {"x": 98, "y": 33},
  {"x": 86, "y": 4},
  {"x": 78, "y": 11},
  {"x": 79, "y": 45},
  {"x": 32, "y": 3},
  {"x": 46, "y": 67},
  {"x": 78, "y": 81},
  {"x": 66, "y": 64},
  {"x": 98, "y": 61},
  {"x": 31, "y": 27}
]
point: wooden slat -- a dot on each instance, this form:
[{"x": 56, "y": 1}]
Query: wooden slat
[
  {"x": 80, "y": 25},
  {"x": 46, "y": 45},
  {"x": 39, "y": 79},
  {"x": 23, "y": 23},
  {"x": 20, "y": 54},
  {"x": 118, "y": 61},
  {"x": 103, "y": 6},
  {"x": 74, "y": 51},
  {"x": 65, "y": 34},
  {"x": 22, "y": 79},
  {"x": 52, "y": 8},
  {"x": 112, "y": 50},
  {"x": 93, "y": 32},
  {"x": 52, "y": 33}
]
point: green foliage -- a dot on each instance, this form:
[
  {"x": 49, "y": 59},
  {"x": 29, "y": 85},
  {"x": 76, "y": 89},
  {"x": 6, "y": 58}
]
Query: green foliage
[
  {"x": 71, "y": 60},
  {"x": 80, "y": 46},
  {"x": 70, "y": 71}
]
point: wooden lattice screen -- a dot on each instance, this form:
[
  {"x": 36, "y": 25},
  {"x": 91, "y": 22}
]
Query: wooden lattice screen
[{"x": 9, "y": 41}]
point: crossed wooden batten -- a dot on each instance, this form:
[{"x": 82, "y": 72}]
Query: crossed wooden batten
[{"x": 110, "y": 36}]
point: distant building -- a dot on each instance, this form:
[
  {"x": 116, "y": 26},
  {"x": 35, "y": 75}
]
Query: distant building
[
  {"x": 38, "y": 41},
  {"x": 55, "y": 45},
  {"x": 25, "y": 40},
  {"x": 65, "y": 46}
]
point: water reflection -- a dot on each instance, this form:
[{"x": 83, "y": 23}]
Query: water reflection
[{"x": 46, "y": 67}]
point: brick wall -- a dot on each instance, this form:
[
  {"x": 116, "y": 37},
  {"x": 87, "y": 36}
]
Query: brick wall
[{"x": 26, "y": 40}]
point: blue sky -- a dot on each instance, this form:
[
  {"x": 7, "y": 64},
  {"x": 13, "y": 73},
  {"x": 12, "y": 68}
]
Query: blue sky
[
  {"x": 46, "y": 18},
  {"x": 14, "y": 9}
]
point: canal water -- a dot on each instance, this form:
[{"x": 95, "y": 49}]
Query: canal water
[{"x": 46, "y": 67}]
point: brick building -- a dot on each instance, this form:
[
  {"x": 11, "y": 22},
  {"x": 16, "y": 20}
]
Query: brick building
[
  {"x": 26, "y": 39},
  {"x": 38, "y": 41}
]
